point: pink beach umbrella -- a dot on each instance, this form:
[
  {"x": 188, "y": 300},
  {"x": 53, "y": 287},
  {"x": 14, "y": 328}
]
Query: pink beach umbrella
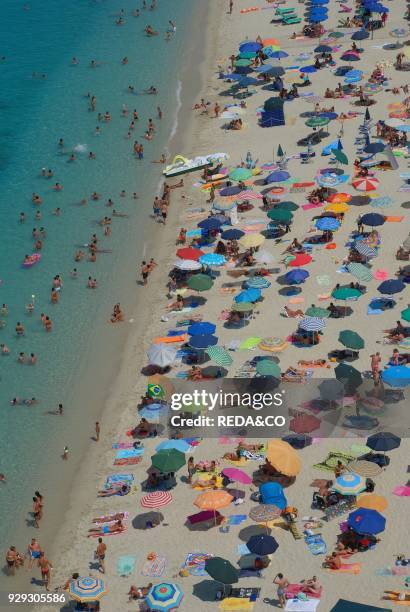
[
  {"x": 381, "y": 274},
  {"x": 237, "y": 475},
  {"x": 402, "y": 491},
  {"x": 248, "y": 195}
]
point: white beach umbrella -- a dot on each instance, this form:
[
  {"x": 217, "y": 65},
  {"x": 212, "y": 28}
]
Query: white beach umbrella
[
  {"x": 264, "y": 257},
  {"x": 187, "y": 264},
  {"x": 161, "y": 355}
]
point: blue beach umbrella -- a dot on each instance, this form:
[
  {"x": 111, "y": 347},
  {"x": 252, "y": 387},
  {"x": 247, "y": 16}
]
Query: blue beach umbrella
[
  {"x": 373, "y": 219},
  {"x": 323, "y": 49},
  {"x": 308, "y": 69},
  {"x": 230, "y": 191},
  {"x": 212, "y": 259},
  {"x": 350, "y": 57},
  {"x": 232, "y": 234},
  {"x": 397, "y": 376},
  {"x": 210, "y": 224},
  {"x": 383, "y": 442},
  {"x": 349, "y": 484},
  {"x": 257, "y": 282},
  {"x": 312, "y": 324},
  {"x": 201, "y": 328},
  {"x": 295, "y": 277},
  {"x": 249, "y": 295},
  {"x": 179, "y": 445},
  {"x": 374, "y": 147},
  {"x": 250, "y": 47},
  {"x": 320, "y": 2},
  {"x": 317, "y": 18},
  {"x": 246, "y": 81},
  {"x": 279, "y": 54},
  {"x": 327, "y": 223},
  {"x": 272, "y": 493},
  {"x": 360, "y": 35},
  {"x": 203, "y": 341},
  {"x": 391, "y": 286},
  {"x": 364, "y": 249},
  {"x": 262, "y": 545},
  {"x": 365, "y": 520},
  {"x": 279, "y": 176},
  {"x": 163, "y": 597},
  {"x": 352, "y": 79},
  {"x": 87, "y": 589}
]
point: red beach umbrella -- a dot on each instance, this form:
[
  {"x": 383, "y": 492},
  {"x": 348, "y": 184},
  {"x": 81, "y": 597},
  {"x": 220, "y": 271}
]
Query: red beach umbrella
[
  {"x": 305, "y": 423},
  {"x": 190, "y": 253},
  {"x": 156, "y": 499},
  {"x": 366, "y": 184},
  {"x": 300, "y": 260}
]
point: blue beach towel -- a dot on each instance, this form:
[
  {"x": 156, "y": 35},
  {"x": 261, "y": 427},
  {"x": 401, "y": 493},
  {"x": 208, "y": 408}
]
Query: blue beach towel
[
  {"x": 316, "y": 544},
  {"x": 125, "y": 565},
  {"x": 243, "y": 550},
  {"x": 237, "y": 519},
  {"x": 120, "y": 478},
  {"x": 127, "y": 453}
]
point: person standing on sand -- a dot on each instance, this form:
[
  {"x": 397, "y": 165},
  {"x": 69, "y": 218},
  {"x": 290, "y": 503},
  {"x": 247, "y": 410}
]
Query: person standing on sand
[
  {"x": 230, "y": 7},
  {"x": 97, "y": 431},
  {"x": 45, "y": 567},
  {"x": 60, "y": 409},
  {"x": 11, "y": 560},
  {"x": 144, "y": 273},
  {"x": 65, "y": 453},
  {"x": 100, "y": 555},
  {"x": 281, "y": 583},
  {"x": 37, "y": 512},
  {"x": 375, "y": 366}
]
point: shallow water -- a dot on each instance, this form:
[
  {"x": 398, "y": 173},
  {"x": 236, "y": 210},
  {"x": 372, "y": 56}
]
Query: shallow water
[{"x": 34, "y": 113}]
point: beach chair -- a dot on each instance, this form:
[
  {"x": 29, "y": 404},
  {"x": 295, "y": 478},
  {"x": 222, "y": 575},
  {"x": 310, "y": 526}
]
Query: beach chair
[
  {"x": 284, "y": 11},
  {"x": 292, "y": 21}
]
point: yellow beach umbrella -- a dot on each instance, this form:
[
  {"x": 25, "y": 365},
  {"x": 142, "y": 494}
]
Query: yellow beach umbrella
[
  {"x": 283, "y": 458},
  {"x": 337, "y": 207},
  {"x": 373, "y": 502},
  {"x": 252, "y": 241}
]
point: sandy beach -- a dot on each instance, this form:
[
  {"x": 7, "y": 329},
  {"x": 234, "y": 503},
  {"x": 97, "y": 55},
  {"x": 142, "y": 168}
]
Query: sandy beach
[{"x": 201, "y": 134}]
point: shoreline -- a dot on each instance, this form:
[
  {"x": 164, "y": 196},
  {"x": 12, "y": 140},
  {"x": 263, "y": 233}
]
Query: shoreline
[{"x": 118, "y": 401}]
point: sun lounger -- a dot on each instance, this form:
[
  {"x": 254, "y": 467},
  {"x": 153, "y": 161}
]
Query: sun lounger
[{"x": 292, "y": 21}]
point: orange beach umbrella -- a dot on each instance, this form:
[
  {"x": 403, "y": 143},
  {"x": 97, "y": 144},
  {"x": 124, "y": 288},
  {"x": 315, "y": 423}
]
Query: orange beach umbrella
[
  {"x": 213, "y": 500},
  {"x": 373, "y": 502},
  {"x": 283, "y": 458}
]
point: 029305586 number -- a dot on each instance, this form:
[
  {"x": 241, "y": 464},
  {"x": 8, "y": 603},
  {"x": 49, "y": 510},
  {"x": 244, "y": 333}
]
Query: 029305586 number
[{"x": 36, "y": 598}]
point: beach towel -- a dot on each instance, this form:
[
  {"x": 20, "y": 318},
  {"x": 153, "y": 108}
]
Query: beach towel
[
  {"x": 195, "y": 563},
  {"x": 168, "y": 339},
  {"x": 105, "y": 535},
  {"x": 116, "y": 478},
  {"x": 348, "y": 568},
  {"x": 154, "y": 568},
  {"x": 297, "y": 605},
  {"x": 292, "y": 590},
  {"x": 237, "y": 519},
  {"x": 402, "y": 491},
  {"x": 243, "y": 550},
  {"x": 316, "y": 544},
  {"x": 127, "y": 453},
  {"x": 391, "y": 219},
  {"x": 117, "y": 445},
  {"x": 329, "y": 464},
  {"x": 128, "y": 461},
  {"x": 235, "y": 603},
  {"x": 125, "y": 565},
  {"x": 310, "y": 206}
]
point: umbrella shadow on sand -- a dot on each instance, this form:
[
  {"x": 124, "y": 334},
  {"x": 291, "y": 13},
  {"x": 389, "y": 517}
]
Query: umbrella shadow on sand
[
  {"x": 206, "y": 590},
  {"x": 247, "y": 533},
  {"x": 145, "y": 520},
  {"x": 406, "y": 205},
  {"x": 343, "y": 355}
]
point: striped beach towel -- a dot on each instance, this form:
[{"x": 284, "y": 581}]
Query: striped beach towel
[{"x": 154, "y": 568}]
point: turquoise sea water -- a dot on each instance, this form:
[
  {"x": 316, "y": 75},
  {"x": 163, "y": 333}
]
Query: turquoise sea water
[{"x": 41, "y": 37}]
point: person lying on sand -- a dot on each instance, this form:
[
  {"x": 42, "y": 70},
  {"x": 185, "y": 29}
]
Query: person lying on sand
[
  {"x": 119, "y": 516},
  {"x": 105, "y": 529},
  {"x": 332, "y": 561},
  {"x": 115, "y": 490},
  {"x": 138, "y": 592},
  {"x": 293, "y": 314},
  {"x": 178, "y": 305}
]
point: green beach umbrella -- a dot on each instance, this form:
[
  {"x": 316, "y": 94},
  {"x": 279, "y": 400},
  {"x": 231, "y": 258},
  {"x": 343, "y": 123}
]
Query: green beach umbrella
[
  {"x": 291, "y": 206},
  {"x": 348, "y": 375},
  {"x": 340, "y": 156},
  {"x": 250, "y": 343},
  {"x": 266, "y": 367},
  {"x": 280, "y": 215},
  {"x": 221, "y": 570},
  {"x": 360, "y": 271},
  {"x": 242, "y": 307},
  {"x": 280, "y": 152},
  {"x": 317, "y": 311},
  {"x": 351, "y": 339},
  {"x": 247, "y": 55},
  {"x": 168, "y": 460},
  {"x": 200, "y": 282},
  {"x": 346, "y": 293},
  {"x": 336, "y": 35},
  {"x": 240, "y": 174},
  {"x": 314, "y": 122},
  {"x": 242, "y": 63},
  {"x": 219, "y": 355},
  {"x": 405, "y": 314}
]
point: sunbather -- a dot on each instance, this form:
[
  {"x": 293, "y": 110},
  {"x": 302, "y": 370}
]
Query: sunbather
[
  {"x": 332, "y": 561},
  {"x": 120, "y": 489},
  {"x": 119, "y": 516},
  {"x": 312, "y": 586},
  {"x": 138, "y": 592},
  {"x": 106, "y": 529},
  {"x": 293, "y": 314}
]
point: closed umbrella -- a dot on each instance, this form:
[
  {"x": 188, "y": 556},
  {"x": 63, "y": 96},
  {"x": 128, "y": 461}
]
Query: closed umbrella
[
  {"x": 200, "y": 282},
  {"x": 266, "y": 367},
  {"x": 351, "y": 339},
  {"x": 163, "y": 597},
  {"x": 391, "y": 286},
  {"x": 373, "y": 219},
  {"x": 168, "y": 461},
  {"x": 201, "y": 328},
  {"x": 161, "y": 355},
  {"x": 349, "y": 484},
  {"x": 383, "y": 441},
  {"x": 364, "y": 520},
  {"x": 284, "y": 458},
  {"x": 262, "y": 545},
  {"x": 87, "y": 589},
  {"x": 219, "y": 355},
  {"x": 221, "y": 570}
]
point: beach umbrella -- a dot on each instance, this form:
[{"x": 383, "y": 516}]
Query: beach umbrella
[
  {"x": 242, "y": 63},
  {"x": 279, "y": 54},
  {"x": 315, "y": 122},
  {"x": 212, "y": 259},
  {"x": 249, "y": 195},
  {"x": 224, "y": 206},
  {"x": 344, "y": 605},
  {"x": 360, "y": 35},
  {"x": 305, "y": 423},
  {"x": 163, "y": 597},
  {"x": 257, "y": 282},
  {"x": 189, "y": 253},
  {"x": 180, "y": 445},
  {"x": 240, "y": 174},
  {"x": 262, "y": 545},
  {"x": 308, "y": 69},
  {"x": 161, "y": 355},
  {"x": 317, "y": 18},
  {"x": 340, "y": 156},
  {"x": 327, "y": 223},
  {"x": 156, "y": 499},
  {"x": 298, "y": 441},
  {"x": 360, "y": 271},
  {"x": 373, "y": 219},
  {"x": 219, "y": 355},
  {"x": 349, "y": 484},
  {"x": 339, "y": 198},
  {"x": 221, "y": 570},
  {"x": 250, "y": 46},
  {"x": 200, "y": 282},
  {"x": 230, "y": 191},
  {"x": 251, "y": 240},
  {"x": 202, "y": 342},
  {"x": 213, "y": 500},
  {"x": 405, "y": 314},
  {"x": 336, "y": 35},
  {"x": 364, "y": 249},
  {"x": 374, "y": 147},
  {"x": 168, "y": 461},
  {"x": 280, "y": 215},
  {"x": 266, "y": 367},
  {"x": 383, "y": 441},
  {"x": 210, "y": 224},
  {"x": 317, "y": 311},
  {"x": 337, "y": 208},
  {"x": 246, "y": 81},
  {"x": 295, "y": 277},
  {"x": 364, "y": 520},
  {"x": 237, "y": 475},
  {"x": 278, "y": 176},
  {"x": 366, "y": 184},
  {"x": 283, "y": 458},
  {"x": 367, "y": 469},
  {"x": 323, "y": 49},
  {"x": 348, "y": 375},
  {"x": 372, "y": 502},
  {"x": 382, "y": 202},
  {"x": 242, "y": 307},
  {"x": 265, "y": 513},
  {"x": 312, "y": 324},
  {"x": 232, "y": 234},
  {"x": 188, "y": 265},
  {"x": 248, "y": 295},
  {"x": 301, "y": 259},
  {"x": 291, "y": 206},
  {"x": 397, "y": 376},
  {"x": 87, "y": 589},
  {"x": 350, "y": 56},
  {"x": 346, "y": 293},
  {"x": 351, "y": 339},
  {"x": 201, "y": 328},
  {"x": 391, "y": 286},
  {"x": 264, "y": 257},
  {"x": 271, "y": 493}
]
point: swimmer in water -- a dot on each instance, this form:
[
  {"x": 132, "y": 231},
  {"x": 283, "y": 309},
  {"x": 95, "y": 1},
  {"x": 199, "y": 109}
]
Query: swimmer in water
[
  {"x": 161, "y": 160},
  {"x": 30, "y": 308},
  {"x": 74, "y": 273},
  {"x": 74, "y": 61},
  {"x": 22, "y": 217},
  {"x": 4, "y": 349}
]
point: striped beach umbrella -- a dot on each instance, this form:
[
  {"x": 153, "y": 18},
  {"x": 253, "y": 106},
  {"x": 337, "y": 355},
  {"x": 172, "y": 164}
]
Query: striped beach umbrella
[
  {"x": 257, "y": 282},
  {"x": 264, "y": 513},
  {"x": 360, "y": 271},
  {"x": 187, "y": 265},
  {"x": 249, "y": 195},
  {"x": 163, "y": 597},
  {"x": 87, "y": 589},
  {"x": 366, "y": 184},
  {"x": 367, "y": 469},
  {"x": 212, "y": 259},
  {"x": 219, "y": 355},
  {"x": 364, "y": 249},
  {"x": 312, "y": 324},
  {"x": 156, "y": 499},
  {"x": 349, "y": 484}
]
